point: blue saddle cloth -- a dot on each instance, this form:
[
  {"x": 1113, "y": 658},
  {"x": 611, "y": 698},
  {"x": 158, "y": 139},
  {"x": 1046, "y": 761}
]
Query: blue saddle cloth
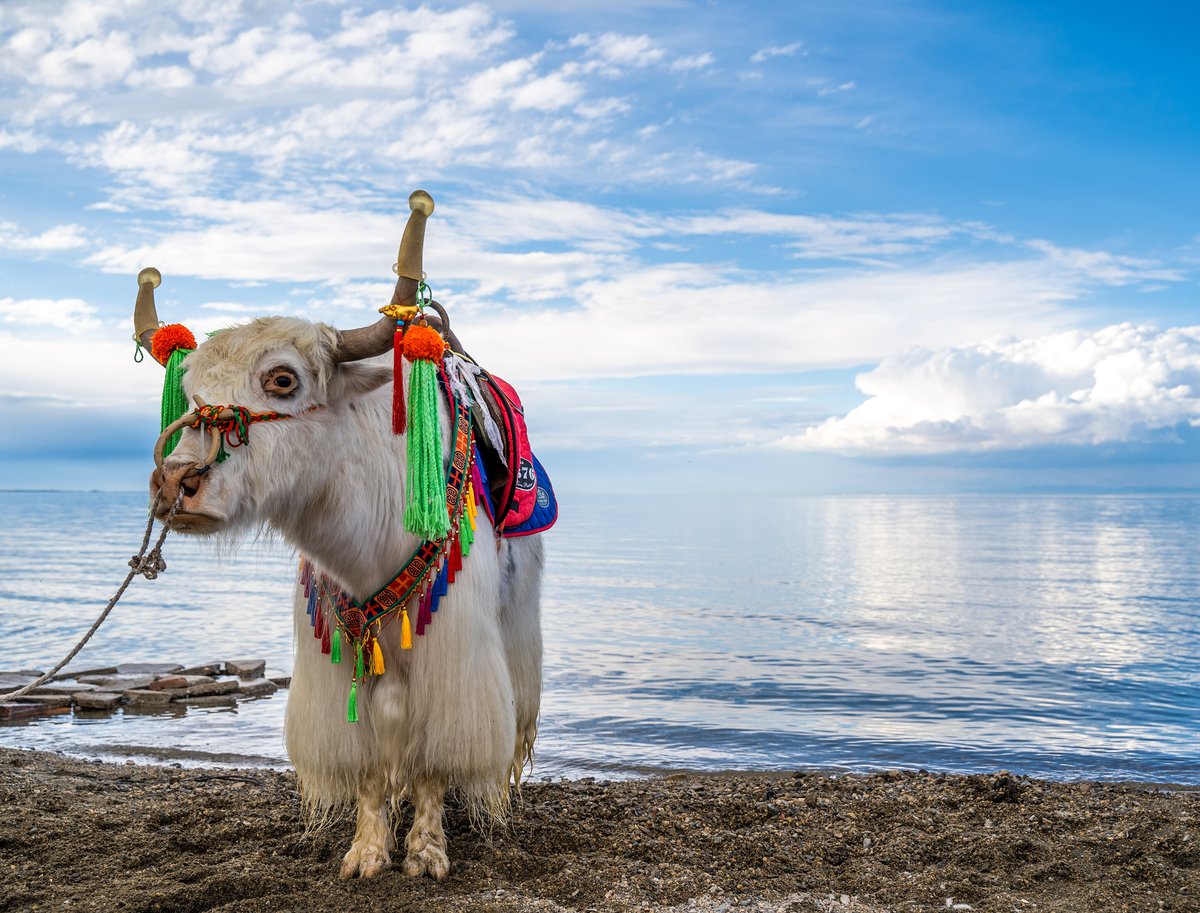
[{"x": 545, "y": 508}]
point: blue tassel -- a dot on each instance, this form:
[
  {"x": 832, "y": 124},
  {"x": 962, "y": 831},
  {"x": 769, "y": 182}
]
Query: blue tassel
[
  {"x": 312, "y": 605},
  {"x": 441, "y": 587}
]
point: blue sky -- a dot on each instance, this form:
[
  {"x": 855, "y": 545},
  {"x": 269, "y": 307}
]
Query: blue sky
[{"x": 759, "y": 247}]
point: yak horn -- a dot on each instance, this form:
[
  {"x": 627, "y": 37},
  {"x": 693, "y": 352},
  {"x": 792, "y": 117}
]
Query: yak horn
[
  {"x": 375, "y": 339},
  {"x": 145, "y": 316}
]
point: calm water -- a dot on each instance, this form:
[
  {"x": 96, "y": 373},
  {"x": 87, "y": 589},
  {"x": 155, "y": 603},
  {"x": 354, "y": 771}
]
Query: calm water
[{"x": 1051, "y": 636}]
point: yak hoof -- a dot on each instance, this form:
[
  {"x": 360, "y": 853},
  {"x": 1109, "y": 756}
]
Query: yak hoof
[
  {"x": 365, "y": 862},
  {"x": 429, "y": 861}
]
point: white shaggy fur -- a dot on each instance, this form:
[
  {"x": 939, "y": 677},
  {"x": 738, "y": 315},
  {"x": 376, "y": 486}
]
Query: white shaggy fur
[{"x": 458, "y": 711}]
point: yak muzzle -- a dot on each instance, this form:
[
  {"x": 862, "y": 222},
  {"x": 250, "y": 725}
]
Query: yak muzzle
[{"x": 168, "y": 482}]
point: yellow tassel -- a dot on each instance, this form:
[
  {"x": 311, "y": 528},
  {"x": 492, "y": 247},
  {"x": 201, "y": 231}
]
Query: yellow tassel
[
  {"x": 405, "y": 631},
  {"x": 471, "y": 506},
  {"x": 376, "y": 658}
]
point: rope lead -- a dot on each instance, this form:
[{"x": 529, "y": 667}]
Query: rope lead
[{"x": 147, "y": 563}]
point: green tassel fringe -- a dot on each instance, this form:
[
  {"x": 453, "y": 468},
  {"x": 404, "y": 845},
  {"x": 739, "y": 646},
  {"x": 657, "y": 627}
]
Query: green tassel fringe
[
  {"x": 465, "y": 534},
  {"x": 174, "y": 403},
  {"x": 335, "y": 649},
  {"x": 358, "y": 662},
  {"x": 425, "y": 507},
  {"x": 352, "y": 704}
]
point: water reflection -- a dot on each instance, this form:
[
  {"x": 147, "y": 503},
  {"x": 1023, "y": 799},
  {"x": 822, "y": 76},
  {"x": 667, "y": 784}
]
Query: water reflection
[{"x": 1051, "y": 635}]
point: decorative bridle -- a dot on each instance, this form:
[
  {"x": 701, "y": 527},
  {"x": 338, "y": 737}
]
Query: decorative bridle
[{"x": 228, "y": 426}]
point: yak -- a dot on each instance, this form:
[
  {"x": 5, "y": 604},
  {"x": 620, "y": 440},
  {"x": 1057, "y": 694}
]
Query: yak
[{"x": 457, "y": 708}]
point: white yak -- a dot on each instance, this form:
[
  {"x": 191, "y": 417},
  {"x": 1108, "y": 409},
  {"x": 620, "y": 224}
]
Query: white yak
[{"x": 458, "y": 711}]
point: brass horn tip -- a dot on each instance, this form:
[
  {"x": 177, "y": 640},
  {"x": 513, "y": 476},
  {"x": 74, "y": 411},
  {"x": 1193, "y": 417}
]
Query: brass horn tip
[
  {"x": 420, "y": 201},
  {"x": 151, "y": 275}
]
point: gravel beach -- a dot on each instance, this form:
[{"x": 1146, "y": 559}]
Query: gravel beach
[{"x": 82, "y": 836}]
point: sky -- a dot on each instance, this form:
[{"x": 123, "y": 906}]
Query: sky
[{"x": 720, "y": 247}]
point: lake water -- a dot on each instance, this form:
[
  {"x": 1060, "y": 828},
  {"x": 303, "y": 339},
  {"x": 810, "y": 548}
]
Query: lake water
[{"x": 1055, "y": 636}]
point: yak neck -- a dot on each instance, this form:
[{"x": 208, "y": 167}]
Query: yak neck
[{"x": 351, "y": 522}]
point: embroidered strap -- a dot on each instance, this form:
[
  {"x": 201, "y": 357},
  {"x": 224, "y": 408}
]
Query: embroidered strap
[{"x": 355, "y": 617}]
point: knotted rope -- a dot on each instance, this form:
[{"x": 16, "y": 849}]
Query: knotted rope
[
  {"x": 147, "y": 563},
  {"x": 228, "y": 425},
  {"x": 234, "y": 421}
]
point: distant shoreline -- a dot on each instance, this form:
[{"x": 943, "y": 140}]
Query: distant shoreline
[{"x": 153, "y": 837}]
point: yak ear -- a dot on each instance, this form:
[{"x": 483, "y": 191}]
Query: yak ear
[{"x": 354, "y": 379}]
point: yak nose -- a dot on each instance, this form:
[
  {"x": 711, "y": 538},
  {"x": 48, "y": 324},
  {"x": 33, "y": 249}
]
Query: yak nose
[{"x": 169, "y": 481}]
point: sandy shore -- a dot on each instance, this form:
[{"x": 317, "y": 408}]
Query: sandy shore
[{"x": 79, "y": 835}]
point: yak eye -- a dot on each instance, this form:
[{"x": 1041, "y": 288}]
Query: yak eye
[{"x": 281, "y": 382}]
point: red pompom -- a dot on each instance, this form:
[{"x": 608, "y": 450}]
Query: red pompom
[
  {"x": 423, "y": 342},
  {"x": 169, "y": 338}
]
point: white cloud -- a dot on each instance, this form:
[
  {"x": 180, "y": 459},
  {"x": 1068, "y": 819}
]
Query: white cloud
[
  {"x": 74, "y": 315},
  {"x": 1122, "y": 383},
  {"x": 92, "y": 63},
  {"x": 144, "y": 157},
  {"x": 547, "y": 93},
  {"x": 694, "y": 62},
  {"x": 871, "y": 236},
  {"x": 1111, "y": 269},
  {"x": 161, "y": 78},
  {"x": 58, "y": 238},
  {"x": 685, "y": 319},
  {"x": 833, "y": 90},
  {"x": 176, "y": 97},
  {"x": 54, "y": 372},
  {"x": 775, "y": 50},
  {"x": 587, "y": 279},
  {"x": 21, "y": 141},
  {"x": 620, "y": 51}
]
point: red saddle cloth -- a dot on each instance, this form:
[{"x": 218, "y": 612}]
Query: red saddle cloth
[{"x": 521, "y": 494}]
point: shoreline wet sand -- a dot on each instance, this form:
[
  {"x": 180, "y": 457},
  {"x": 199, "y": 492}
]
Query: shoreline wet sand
[{"x": 82, "y": 835}]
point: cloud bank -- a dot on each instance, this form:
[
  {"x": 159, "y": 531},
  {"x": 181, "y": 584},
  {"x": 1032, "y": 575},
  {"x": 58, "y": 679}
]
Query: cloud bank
[{"x": 1120, "y": 384}]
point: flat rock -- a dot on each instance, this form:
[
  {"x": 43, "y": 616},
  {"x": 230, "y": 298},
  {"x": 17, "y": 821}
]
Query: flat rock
[
  {"x": 98, "y": 700},
  {"x": 47, "y": 700},
  {"x": 21, "y": 711},
  {"x": 171, "y": 708},
  {"x": 141, "y": 697},
  {"x": 127, "y": 683},
  {"x": 191, "y": 681},
  {"x": 63, "y": 688},
  {"x": 148, "y": 668},
  {"x": 213, "y": 668},
  {"x": 207, "y": 689},
  {"x": 257, "y": 687},
  {"x": 98, "y": 670},
  {"x": 15, "y": 680},
  {"x": 210, "y": 700},
  {"x": 28, "y": 673},
  {"x": 283, "y": 681},
  {"x": 170, "y": 682},
  {"x": 246, "y": 668}
]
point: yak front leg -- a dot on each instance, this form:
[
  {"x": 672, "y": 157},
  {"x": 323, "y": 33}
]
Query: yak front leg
[
  {"x": 370, "y": 852},
  {"x": 426, "y": 842}
]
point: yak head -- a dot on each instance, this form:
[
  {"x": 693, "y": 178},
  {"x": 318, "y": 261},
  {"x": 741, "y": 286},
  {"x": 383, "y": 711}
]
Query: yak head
[{"x": 290, "y": 389}]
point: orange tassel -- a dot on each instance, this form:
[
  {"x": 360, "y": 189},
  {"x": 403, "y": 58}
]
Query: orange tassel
[
  {"x": 376, "y": 658},
  {"x": 405, "y": 631}
]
